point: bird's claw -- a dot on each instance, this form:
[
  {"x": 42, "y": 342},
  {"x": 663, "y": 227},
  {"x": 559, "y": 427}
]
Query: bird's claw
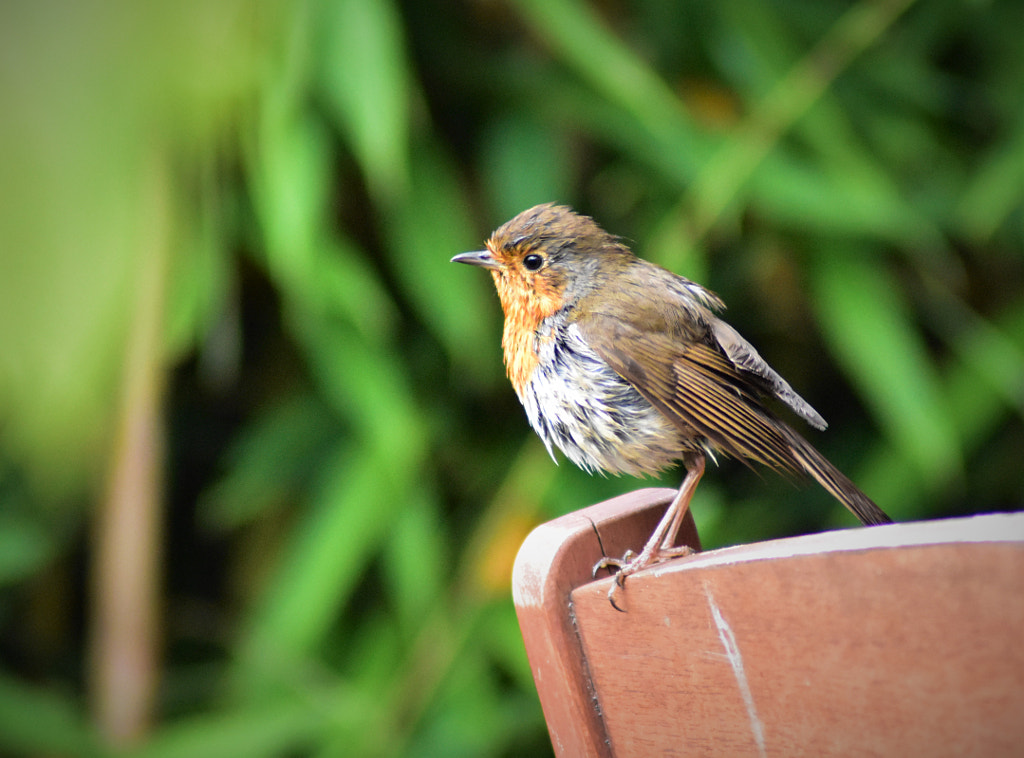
[
  {"x": 613, "y": 563},
  {"x": 630, "y": 563},
  {"x": 623, "y": 567}
]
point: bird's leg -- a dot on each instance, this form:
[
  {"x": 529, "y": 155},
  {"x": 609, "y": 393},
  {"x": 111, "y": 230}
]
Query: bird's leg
[
  {"x": 694, "y": 464},
  {"x": 660, "y": 544}
]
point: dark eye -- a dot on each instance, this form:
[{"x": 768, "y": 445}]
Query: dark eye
[{"x": 532, "y": 262}]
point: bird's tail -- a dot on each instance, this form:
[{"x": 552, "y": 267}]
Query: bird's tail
[{"x": 832, "y": 479}]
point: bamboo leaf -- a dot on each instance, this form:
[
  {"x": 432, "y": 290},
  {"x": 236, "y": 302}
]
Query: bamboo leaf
[
  {"x": 422, "y": 236},
  {"x": 364, "y": 77},
  {"x": 574, "y": 31},
  {"x": 870, "y": 331}
]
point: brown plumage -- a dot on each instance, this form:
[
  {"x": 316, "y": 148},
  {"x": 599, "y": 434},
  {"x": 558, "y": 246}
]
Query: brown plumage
[{"x": 627, "y": 368}]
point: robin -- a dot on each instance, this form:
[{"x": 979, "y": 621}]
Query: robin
[{"x": 627, "y": 368}]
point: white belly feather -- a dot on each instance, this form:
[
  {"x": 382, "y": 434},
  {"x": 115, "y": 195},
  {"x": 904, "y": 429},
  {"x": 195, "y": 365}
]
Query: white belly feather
[{"x": 575, "y": 402}]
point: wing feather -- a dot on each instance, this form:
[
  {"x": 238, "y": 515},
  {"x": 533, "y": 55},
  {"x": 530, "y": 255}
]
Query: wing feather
[
  {"x": 702, "y": 390},
  {"x": 696, "y": 386}
]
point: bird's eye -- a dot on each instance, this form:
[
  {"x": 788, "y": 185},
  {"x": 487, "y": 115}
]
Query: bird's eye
[{"x": 532, "y": 262}]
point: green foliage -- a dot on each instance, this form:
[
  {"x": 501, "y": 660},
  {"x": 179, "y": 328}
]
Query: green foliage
[{"x": 347, "y": 474}]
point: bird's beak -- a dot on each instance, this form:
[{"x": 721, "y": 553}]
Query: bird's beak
[{"x": 481, "y": 258}]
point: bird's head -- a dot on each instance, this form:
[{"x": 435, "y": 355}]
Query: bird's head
[{"x": 546, "y": 258}]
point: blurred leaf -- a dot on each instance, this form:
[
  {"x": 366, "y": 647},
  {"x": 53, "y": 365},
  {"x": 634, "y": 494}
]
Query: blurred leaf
[
  {"x": 24, "y": 545},
  {"x": 364, "y": 78},
  {"x": 273, "y": 730},
  {"x": 996, "y": 189},
  {"x": 349, "y": 517},
  {"x": 525, "y": 164},
  {"x": 871, "y": 333},
  {"x": 990, "y": 352},
  {"x": 505, "y": 642},
  {"x": 467, "y": 716},
  {"x": 577, "y": 35},
  {"x": 323, "y": 272},
  {"x": 269, "y": 463},
  {"x": 201, "y": 278},
  {"x": 671, "y": 244},
  {"x": 291, "y": 191},
  {"x": 493, "y": 571},
  {"x": 797, "y": 87},
  {"x": 415, "y": 560},
  {"x": 850, "y": 201},
  {"x": 96, "y": 93},
  {"x": 351, "y": 512},
  {"x": 344, "y": 283},
  {"x": 368, "y": 387},
  {"x": 575, "y": 109},
  {"x": 374, "y": 662},
  {"x": 37, "y": 721},
  {"x": 979, "y": 392},
  {"x": 422, "y": 236}
]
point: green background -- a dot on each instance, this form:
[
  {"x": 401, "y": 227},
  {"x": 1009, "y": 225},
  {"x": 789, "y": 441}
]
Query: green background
[{"x": 247, "y": 403}]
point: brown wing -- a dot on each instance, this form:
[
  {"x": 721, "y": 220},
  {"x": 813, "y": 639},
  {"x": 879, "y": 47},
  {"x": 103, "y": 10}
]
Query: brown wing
[
  {"x": 743, "y": 355},
  {"x": 690, "y": 379},
  {"x": 696, "y": 386}
]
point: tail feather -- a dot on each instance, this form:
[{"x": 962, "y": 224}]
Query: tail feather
[{"x": 833, "y": 480}]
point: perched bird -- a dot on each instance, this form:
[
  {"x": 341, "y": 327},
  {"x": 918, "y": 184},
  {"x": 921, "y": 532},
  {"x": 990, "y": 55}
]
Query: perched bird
[{"x": 627, "y": 368}]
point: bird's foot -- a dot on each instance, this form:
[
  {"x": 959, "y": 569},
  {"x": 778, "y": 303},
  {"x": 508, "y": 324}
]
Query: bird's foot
[
  {"x": 613, "y": 563},
  {"x": 630, "y": 563}
]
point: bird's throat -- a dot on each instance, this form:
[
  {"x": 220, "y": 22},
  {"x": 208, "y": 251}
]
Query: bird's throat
[{"x": 525, "y": 308}]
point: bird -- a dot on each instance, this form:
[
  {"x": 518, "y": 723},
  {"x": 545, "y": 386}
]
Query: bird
[{"x": 628, "y": 368}]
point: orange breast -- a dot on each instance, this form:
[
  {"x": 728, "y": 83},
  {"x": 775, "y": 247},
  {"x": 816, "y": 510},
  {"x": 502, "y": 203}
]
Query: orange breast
[{"x": 526, "y": 303}]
